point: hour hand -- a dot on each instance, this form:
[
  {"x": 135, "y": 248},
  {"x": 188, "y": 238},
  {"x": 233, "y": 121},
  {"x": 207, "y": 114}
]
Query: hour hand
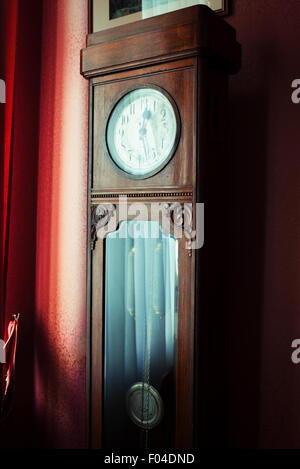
[{"x": 146, "y": 114}]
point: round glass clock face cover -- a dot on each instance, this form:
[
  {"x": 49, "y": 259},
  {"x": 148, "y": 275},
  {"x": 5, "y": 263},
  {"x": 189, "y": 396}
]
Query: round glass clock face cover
[{"x": 142, "y": 132}]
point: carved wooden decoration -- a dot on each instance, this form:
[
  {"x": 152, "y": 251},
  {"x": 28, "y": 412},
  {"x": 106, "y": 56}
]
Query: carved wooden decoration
[{"x": 101, "y": 214}]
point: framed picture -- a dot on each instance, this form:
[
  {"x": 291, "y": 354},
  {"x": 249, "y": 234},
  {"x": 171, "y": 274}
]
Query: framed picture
[{"x": 106, "y": 14}]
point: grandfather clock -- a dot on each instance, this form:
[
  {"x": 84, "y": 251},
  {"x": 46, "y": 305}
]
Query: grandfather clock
[{"x": 156, "y": 293}]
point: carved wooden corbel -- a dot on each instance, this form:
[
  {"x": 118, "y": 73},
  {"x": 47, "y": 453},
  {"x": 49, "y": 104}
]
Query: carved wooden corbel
[{"x": 100, "y": 216}]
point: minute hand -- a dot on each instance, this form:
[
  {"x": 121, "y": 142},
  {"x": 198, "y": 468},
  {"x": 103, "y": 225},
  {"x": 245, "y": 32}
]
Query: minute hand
[
  {"x": 144, "y": 146},
  {"x": 143, "y": 131}
]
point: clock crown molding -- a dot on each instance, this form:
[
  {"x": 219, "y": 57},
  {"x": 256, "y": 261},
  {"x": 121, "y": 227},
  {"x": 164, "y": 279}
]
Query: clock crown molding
[{"x": 196, "y": 31}]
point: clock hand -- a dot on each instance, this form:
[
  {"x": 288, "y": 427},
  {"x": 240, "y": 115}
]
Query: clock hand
[
  {"x": 145, "y": 148},
  {"x": 143, "y": 131},
  {"x": 146, "y": 114},
  {"x": 146, "y": 117}
]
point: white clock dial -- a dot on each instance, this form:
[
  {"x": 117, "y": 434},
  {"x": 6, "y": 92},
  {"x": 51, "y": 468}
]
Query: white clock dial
[{"x": 142, "y": 132}]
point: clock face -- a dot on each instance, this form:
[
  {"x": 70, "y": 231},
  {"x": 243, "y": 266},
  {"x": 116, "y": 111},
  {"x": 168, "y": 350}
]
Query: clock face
[{"x": 142, "y": 132}]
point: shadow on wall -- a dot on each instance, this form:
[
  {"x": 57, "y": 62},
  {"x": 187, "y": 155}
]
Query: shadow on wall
[{"x": 52, "y": 382}]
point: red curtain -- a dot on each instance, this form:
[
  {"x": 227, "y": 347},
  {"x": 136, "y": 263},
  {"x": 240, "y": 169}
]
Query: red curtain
[
  {"x": 43, "y": 197},
  {"x": 8, "y": 67},
  {"x": 20, "y": 60}
]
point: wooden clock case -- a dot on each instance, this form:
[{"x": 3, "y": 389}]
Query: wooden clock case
[{"x": 189, "y": 54}]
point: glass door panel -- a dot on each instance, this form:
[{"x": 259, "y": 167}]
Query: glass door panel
[{"x": 141, "y": 283}]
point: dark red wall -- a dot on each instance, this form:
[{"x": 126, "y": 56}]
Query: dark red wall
[
  {"x": 60, "y": 316},
  {"x": 264, "y": 180}
]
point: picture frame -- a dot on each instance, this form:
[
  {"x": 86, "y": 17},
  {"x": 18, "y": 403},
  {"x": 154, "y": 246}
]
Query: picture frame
[{"x": 104, "y": 14}]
